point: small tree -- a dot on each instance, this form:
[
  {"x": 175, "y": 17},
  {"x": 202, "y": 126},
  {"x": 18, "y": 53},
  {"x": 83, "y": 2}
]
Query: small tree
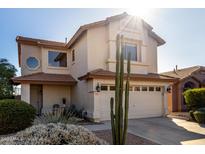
[
  {"x": 119, "y": 119},
  {"x": 7, "y": 71}
]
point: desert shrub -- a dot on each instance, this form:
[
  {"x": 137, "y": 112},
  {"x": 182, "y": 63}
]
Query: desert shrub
[
  {"x": 199, "y": 115},
  {"x": 80, "y": 113},
  {"x": 53, "y": 134},
  {"x": 195, "y": 98},
  {"x": 59, "y": 116},
  {"x": 15, "y": 115}
]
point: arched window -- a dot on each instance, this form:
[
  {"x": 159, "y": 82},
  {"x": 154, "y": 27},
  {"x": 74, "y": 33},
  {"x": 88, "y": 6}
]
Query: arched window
[{"x": 189, "y": 85}]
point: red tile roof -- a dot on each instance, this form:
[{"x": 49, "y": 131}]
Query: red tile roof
[
  {"x": 183, "y": 73},
  {"x": 104, "y": 74},
  {"x": 40, "y": 42},
  {"x": 45, "y": 78}
]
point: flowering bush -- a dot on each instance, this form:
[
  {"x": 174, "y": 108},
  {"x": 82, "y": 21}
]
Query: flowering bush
[{"x": 54, "y": 134}]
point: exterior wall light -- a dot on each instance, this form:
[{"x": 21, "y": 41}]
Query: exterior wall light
[
  {"x": 98, "y": 88},
  {"x": 169, "y": 89}
]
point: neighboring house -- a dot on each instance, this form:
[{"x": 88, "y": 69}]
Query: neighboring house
[
  {"x": 52, "y": 70},
  {"x": 191, "y": 77}
]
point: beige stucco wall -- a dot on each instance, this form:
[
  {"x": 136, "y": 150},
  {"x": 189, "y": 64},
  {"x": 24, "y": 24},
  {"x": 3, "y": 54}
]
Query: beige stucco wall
[
  {"x": 79, "y": 93},
  {"x": 81, "y": 96},
  {"x": 151, "y": 55},
  {"x": 42, "y": 55},
  {"x": 80, "y": 66},
  {"x": 102, "y": 45},
  {"x": 53, "y": 94},
  {"x": 26, "y": 52},
  {"x": 25, "y": 92},
  {"x": 97, "y": 44}
]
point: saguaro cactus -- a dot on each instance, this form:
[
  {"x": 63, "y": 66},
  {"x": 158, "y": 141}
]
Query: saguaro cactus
[{"x": 119, "y": 119}]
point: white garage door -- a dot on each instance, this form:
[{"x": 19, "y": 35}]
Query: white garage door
[{"x": 145, "y": 101}]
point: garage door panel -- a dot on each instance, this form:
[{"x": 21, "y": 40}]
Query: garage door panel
[
  {"x": 141, "y": 104},
  {"x": 145, "y": 104}
]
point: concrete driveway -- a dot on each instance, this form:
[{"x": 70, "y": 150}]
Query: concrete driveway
[{"x": 165, "y": 131}]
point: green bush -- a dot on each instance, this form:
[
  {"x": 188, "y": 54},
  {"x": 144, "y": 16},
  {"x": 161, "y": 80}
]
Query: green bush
[
  {"x": 195, "y": 98},
  {"x": 191, "y": 113},
  {"x": 15, "y": 115},
  {"x": 199, "y": 115}
]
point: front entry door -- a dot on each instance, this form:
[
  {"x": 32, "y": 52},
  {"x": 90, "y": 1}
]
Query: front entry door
[{"x": 36, "y": 98}]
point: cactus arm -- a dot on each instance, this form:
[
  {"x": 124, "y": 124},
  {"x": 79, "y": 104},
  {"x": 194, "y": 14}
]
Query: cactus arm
[
  {"x": 119, "y": 127},
  {"x": 112, "y": 120},
  {"x": 121, "y": 90},
  {"x": 117, "y": 85},
  {"x": 126, "y": 100}
]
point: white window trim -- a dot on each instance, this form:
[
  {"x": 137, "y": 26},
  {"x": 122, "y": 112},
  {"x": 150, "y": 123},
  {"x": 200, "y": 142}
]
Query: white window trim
[
  {"x": 37, "y": 67},
  {"x": 53, "y": 67},
  {"x": 137, "y": 43}
]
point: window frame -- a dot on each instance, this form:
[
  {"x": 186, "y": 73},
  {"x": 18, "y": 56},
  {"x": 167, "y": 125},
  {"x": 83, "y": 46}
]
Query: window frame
[
  {"x": 160, "y": 89},
  {"x": 136, "y": 87},
  {"x": 110, "y": 89},
  {"x": 35, "y": 68},
  {"x": 150, "y": 88},
  {"x": 57, "y": 67},
  {"x": 104, "y": 86},
  {"x": 73, "y": 55},
  {"x": 138, "y": 44},
  {"x": 125, "y": 46},
  {"x": 144, "y": 87}
]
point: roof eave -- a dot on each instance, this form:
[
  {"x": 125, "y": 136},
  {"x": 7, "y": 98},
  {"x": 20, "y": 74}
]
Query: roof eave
[
  {"x": 159, "y": 40},
  {"x": 17, "y": 82},
  {"x": 92, "y": 76}
]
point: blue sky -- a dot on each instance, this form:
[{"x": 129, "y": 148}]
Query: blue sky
[{"x": 182, "y": 29}]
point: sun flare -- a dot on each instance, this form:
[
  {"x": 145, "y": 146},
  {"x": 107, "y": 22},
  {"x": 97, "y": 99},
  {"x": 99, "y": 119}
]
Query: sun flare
[{"x": 139, "y": 12}]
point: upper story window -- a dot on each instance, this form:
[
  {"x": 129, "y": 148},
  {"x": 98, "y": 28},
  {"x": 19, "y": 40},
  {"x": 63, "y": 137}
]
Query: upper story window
[
  {"x": 132, "y": 48},
  {"x": 57, "y": 59},
  {"x": 32, "y": 63},
  {"x": 73, "y": 55}
]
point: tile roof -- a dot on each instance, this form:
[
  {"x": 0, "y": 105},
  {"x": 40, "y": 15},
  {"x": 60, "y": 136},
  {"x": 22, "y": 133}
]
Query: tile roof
[
  {"x": 182, "y": 73},
  {"x": 40, "y": 42},
  {"x": 100, "y": 73},
  {"x": 45, "y": 78}
]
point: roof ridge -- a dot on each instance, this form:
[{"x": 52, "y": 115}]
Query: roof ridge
[
  {"x": 83, "y": 28},
  {"x": 181, "y": 69},
  {"x": 168, "y": 76},
  {"x": 36, "y": 39}
]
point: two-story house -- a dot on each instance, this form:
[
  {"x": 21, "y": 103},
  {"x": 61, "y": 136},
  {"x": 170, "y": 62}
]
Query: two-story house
[{"x": 53, "y": 71}]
